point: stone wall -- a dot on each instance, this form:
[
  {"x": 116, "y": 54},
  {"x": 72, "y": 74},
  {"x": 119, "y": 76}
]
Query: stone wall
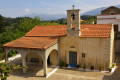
[
  {"x": 110, "y": 10},
  {"x": 97, "y": 51}
]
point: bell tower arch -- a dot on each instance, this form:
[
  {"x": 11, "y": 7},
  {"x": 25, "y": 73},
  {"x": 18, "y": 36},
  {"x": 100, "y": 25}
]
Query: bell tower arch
[{"x": 73, "y": 22}]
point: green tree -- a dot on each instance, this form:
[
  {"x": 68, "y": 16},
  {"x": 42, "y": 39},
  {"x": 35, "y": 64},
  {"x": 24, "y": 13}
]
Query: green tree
[
  {"x": 1, "y": 24},
  {"x": 18, "y": 27},
  {"x": 6, "y": 69},
  {"x": 27, "y": 24}
]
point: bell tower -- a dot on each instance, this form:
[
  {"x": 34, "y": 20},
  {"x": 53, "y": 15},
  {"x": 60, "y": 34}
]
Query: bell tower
[{"x": 73, "y": 22}]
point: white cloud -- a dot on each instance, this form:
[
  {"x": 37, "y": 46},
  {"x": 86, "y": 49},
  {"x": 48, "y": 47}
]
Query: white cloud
[
  {"x": 49, "y": 8},
  {"x": 27, "y": 10}
]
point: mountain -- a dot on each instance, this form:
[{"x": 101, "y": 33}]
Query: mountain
[
  {"x": 59, "y": 16},
  {"x": 47, "y": 16},
  {"x": 96, "y": 11}
]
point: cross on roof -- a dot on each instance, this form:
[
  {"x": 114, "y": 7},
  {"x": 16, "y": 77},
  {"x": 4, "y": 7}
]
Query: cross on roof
[{"x": 73, "y": 6}]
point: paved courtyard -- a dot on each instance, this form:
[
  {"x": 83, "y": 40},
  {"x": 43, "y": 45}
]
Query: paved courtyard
[{"x": 35, "y": 72}]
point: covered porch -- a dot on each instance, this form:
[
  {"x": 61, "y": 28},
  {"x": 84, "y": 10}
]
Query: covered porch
[{"x": 42, "y": 54}]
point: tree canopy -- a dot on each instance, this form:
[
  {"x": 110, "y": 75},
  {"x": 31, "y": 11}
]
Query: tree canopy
[{"x": 1, "y": 24}]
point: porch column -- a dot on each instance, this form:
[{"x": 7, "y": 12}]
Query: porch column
[
  {"x": 45, "y": 66},
  {"x": 24, "y": 64},
  {"x": 119, "y": 26},
  {"x": 6, "y": 58}
]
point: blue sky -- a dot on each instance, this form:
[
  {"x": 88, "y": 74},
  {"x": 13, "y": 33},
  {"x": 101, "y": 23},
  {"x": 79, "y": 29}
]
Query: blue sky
[{"x": 15, "y": 8}]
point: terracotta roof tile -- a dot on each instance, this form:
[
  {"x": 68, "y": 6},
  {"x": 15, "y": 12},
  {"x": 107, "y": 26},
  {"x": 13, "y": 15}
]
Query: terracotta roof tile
[
  {"x": 33, "y": 42},
  {"x": 42, "y": 37},
  {"x": 98, "y": 30},
  {"x": 87, "y": 30},
  {"x": 53, "y": 30}
]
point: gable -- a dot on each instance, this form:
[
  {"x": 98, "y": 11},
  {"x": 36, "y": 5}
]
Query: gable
[
  {"x": 111, "y": 10},
  {"x": 112, "y": 7}
]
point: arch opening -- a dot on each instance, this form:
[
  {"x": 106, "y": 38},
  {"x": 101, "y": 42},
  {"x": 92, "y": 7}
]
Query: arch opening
[
  {"x": 34, "y": 58},
  {"x": 12, "y": 53},
  {"x": 53, "y": 58}
]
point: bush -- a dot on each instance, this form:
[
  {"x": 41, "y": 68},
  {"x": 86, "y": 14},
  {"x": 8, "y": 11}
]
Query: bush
[
  {"x": 6, "y": 69},
  {"x": 61, "y": 63},
  {"x": 100, "y": 68},
  {"x": 2, "y": 56},
  {"x": 113, "y": 64},
  {"x": 109, "y": 68},
  {"x": 84, "y": 66},
  {"x": 66, "y": 65},
  {"x": 92, "y": 67}
]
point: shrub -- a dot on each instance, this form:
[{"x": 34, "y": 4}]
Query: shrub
[
  {"x": 113, "y": 64},
  {"x": 50, "y": 63},
  {"x": 61, "y": 63},
  {"x": 110, "y": 68},
  {"x": 92, "y": 67},
  {"x": 66, "y": 65},
  {"x": 84, "y": 66},
  {"x": 100, "y": 68},
  {"x": 6, "y": 69}
]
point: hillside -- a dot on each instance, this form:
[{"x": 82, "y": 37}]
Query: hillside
[
  {"x": 96, "y": 11},
  {"x": 43, "y": 16}
]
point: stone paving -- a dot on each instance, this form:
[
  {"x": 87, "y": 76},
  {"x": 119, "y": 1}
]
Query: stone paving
[{"x": 35, "y": 72}]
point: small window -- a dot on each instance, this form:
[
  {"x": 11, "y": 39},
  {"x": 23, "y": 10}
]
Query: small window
[
  {"x": 83, "y": 55},
  {"x": 72, "y": 47},
  {"x": 116, "y": 27}
]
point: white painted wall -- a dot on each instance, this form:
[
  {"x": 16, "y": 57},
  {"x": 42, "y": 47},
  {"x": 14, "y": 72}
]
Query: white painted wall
[{"x": 104, "y": 19}]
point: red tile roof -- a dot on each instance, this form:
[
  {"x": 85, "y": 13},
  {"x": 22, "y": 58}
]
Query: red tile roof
[
  {"x": 96, "y": 30},
  {"x": 33, "y": 42},
  {"x": 48, "y": 30},
  {"x": 87, "y": 30},
  {"x": 42, "y": 37}
]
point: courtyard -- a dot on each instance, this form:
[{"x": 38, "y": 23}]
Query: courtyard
[{"x": 35, "y": 72}]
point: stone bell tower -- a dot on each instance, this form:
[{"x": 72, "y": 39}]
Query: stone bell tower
[{"x": 73, "y": 22}]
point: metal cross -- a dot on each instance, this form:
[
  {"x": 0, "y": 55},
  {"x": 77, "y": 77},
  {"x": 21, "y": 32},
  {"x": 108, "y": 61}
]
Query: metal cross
[{"x": 73, "y": 6}]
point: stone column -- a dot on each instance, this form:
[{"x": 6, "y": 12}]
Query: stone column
[
  {"x": 45, "y": 66},
  {"x": 58, "y": 51},
  {"x": 77, "y": 20},
  {"x": 24, "y": 64},
  {"x": 6, "y": 58},
  {"x": 119, "y": 26},
  {"x": 69, "y": 20}
]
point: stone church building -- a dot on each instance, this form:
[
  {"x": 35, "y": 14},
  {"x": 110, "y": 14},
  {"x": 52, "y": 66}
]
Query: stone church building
[{"x": 74, "y": 44}]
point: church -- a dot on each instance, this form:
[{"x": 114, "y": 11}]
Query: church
[{"x": 74, "y": 44}]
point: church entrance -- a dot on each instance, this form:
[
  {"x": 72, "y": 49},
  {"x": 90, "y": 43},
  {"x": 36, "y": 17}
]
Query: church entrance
[{"x": 73, "y": 59}]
